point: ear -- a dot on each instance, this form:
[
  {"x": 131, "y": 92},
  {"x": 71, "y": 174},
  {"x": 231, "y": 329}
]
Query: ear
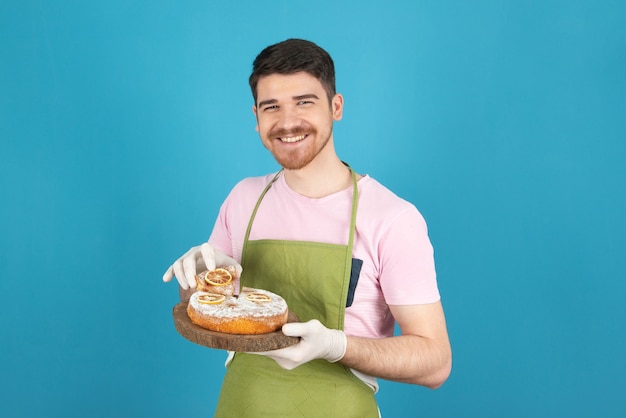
[
  {"x": 254, "y": 110},
  {"x": 337, "y": 106}
]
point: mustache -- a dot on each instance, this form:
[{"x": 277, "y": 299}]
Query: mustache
[{"x": 299, "y": 130}]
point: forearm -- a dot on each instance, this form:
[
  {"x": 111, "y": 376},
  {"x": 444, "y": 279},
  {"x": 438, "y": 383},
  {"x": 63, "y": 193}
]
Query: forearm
[
  {"x": 421, "y": 355},
  {"x": 406, "y": 358}
]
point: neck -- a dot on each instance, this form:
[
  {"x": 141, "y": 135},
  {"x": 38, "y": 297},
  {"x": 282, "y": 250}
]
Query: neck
[{"x": 323, "y": 176}]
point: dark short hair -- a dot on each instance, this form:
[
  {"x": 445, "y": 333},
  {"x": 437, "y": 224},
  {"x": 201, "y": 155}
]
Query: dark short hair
[{"x": 293, "y": 56}]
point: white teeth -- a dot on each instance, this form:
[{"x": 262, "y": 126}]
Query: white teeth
[{"x": 293, "y": 138}]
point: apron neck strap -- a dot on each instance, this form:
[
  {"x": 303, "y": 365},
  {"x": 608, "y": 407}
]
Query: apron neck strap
[
  {"x": 256, "y": 208},
  {"x": 355, "y": 204},
  {"x": 355, "y": 201}
]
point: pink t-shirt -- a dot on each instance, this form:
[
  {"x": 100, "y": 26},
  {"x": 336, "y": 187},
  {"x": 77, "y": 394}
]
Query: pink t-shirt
[{"x": 391, "y": 238}]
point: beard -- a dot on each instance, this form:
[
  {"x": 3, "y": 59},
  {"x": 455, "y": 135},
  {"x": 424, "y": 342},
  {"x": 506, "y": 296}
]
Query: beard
[{"x": 298, "y": 157}]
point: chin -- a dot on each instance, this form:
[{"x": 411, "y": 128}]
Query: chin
[{"x": 293, "y": 163}]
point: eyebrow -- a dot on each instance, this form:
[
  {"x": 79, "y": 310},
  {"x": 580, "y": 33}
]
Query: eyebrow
[
  {"x": 305, "y": 96},
  {"x": 295, "y": 98},
  {"x": 267, "y": 102}
]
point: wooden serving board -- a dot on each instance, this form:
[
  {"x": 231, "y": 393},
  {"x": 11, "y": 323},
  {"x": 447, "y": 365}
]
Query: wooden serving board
[{"x": 232, "y": 342}]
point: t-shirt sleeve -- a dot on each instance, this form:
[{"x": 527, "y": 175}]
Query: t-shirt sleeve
[
  {"x": 407, "y": 266},
  {"x": 232, "y": 219},
  {"x": 220, "y": 236}
]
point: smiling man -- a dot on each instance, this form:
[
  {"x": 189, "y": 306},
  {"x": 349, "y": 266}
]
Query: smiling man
[
  {"x": 296, "y": 128},
  {"x": 350, "y": 258}
]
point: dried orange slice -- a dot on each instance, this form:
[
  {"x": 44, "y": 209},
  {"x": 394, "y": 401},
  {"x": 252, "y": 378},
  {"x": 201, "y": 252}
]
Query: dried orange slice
[
  {"x": 218, "y": 277},
  {"x": 211, "y": 298},
  {"x": 258, "y": 297}
]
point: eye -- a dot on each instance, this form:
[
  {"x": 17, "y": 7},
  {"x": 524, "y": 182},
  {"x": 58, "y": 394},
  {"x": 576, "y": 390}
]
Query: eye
[
  {"x": 270, "y": 108},
  {"x": 304, "y": 102}
]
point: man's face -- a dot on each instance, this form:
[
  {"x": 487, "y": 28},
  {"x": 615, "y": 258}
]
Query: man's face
[{"x": 294, "y": 117}]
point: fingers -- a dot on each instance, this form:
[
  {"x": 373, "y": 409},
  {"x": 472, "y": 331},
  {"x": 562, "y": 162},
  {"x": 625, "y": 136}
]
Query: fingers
[
  {"x": 169, "y": 273},
  {"x": 222, "y": 259},
  {"x": 302, "y": 329},
  {"x": 188, "y": 271},
  {"x": 273, "y": 353},
  {"x": 208, "y": 256},
  {"x": 282, "y": 356},
  {"x": 199, "y": 258},
  {"x": 179, "y": 272},
  {"x": 184, "y": 269}
]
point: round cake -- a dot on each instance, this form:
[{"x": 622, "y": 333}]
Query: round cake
[{"x": 253, "y": 311}]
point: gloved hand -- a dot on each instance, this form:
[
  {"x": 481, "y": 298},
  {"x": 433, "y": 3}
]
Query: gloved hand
[
  {"x": 197, "y": 259},
  {"x": 316, "y": 342}
]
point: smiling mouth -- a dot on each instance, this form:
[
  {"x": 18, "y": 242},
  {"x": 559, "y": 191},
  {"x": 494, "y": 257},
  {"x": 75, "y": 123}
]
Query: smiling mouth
[{"x": 291, "y": 139}]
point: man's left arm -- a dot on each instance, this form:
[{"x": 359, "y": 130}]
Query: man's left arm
[{"x": 421, "y": 355}]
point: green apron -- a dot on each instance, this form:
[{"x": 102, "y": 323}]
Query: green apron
[{"x": 313, "y": 278}]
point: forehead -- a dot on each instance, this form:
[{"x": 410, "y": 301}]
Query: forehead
[{"x": 285, "y": 86}]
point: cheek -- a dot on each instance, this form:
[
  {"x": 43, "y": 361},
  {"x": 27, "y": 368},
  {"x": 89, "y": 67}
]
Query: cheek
[{"x": 261, "y": 127}]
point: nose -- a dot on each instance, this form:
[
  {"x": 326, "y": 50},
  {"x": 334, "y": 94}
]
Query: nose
[{"x": 288, "y": 118}]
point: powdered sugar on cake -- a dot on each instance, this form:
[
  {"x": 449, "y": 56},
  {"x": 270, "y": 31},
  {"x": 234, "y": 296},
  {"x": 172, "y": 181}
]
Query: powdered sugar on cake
[{"x": 236, "y": 307}]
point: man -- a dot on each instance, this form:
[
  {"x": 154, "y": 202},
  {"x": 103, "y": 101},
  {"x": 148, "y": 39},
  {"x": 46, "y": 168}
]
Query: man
[{"x": 348, "y": 256}]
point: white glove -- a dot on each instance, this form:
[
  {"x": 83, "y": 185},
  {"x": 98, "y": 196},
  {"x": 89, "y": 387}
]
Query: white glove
[
  {"x": 316, "y": 342},
  {"x": 197, "y": 259}
]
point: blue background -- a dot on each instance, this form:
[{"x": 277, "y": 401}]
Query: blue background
[{"x": 124, "y": 124}]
